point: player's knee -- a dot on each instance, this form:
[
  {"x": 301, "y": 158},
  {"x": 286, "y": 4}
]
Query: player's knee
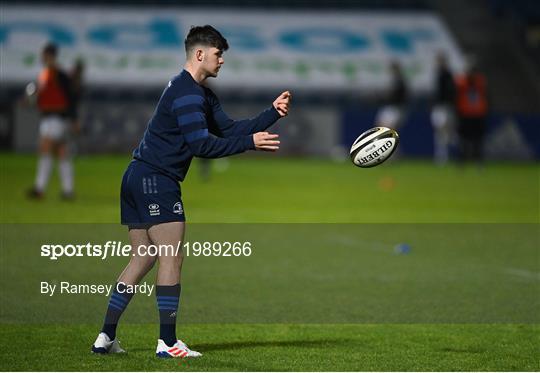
[
  {"x": 171, "y": 260},
  {"x": 45, "y": 146},
  {"x": 150, "y": 261},
  {"x": 62, "y": 151},
  {"x": 146, "y": 261}
]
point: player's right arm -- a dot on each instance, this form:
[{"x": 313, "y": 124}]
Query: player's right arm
[
  {"x": 191, "y": 119},
  {"x": 230, "y": 127}
]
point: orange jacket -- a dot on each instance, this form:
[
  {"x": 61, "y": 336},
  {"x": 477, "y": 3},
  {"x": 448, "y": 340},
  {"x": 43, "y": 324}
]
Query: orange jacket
[
  {"x": 471, "y": 95},
  {"x": 52, "y": 91}
]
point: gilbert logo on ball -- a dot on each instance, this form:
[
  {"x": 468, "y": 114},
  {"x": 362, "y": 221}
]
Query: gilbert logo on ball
[{"x": 374, "y": 146}]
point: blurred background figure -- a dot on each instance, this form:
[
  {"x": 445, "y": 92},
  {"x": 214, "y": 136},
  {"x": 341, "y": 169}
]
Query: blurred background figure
[
  {"x": 205, "y": 168},
  {"x": 472, "y": 110},
  {"x": 363, "y": 64},
  {"x": 443, "y": 111},
  {"x": 56, "y": 105},
  {"x": 393, "y": 112},
  {"x": 77, "y": 90}
]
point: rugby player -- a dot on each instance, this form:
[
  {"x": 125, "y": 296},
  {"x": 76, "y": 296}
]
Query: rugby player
[
  {"x": 58, "y": 116},
  {"x": 188, "y": 122}
]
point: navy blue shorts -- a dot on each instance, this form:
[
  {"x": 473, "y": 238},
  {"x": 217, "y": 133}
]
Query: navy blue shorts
[{"x": 149, "y": 197}]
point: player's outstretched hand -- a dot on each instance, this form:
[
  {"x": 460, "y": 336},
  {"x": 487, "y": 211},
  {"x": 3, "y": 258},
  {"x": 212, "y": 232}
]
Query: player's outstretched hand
[
  {"x": 282, "y": 103},
  {"x": 266, "y": 141}
]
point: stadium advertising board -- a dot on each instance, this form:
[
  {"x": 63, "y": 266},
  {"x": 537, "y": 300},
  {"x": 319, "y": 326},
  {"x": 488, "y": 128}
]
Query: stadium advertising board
[{"x": 333, "y": 50}]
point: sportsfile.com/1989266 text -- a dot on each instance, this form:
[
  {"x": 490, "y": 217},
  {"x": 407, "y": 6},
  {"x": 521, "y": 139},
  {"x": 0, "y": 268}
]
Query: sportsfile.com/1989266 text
[{"x": 117, "y": 249}]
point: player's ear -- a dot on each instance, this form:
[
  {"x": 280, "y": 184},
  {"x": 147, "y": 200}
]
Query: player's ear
[{"x": 199, "y": 55}]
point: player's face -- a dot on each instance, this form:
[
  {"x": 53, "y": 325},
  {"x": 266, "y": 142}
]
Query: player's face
[
  {"x": 213, "y": 59},
  {"x": 47, "y": 59}
]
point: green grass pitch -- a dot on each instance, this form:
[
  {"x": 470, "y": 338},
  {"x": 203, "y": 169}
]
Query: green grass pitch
[{"x": 317, "y": 296}]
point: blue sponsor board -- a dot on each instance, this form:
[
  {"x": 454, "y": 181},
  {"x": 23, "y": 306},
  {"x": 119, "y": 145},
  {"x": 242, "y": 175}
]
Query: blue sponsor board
[{"x": 269, "y": 49}]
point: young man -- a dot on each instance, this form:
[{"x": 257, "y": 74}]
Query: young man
[
  {"x": 472, "y": 108},
  {"x": 187, "y": 122},
  {"x": 443, "y": 111},
  {"x": 58, "y": 114},
  {"x": 392, "y": 113}
]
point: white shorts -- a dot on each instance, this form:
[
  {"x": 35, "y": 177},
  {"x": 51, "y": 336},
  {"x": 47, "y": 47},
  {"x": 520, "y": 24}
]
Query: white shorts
[
  {"x": 53, "y": 127},
  {"x": 389, "y": 116}
]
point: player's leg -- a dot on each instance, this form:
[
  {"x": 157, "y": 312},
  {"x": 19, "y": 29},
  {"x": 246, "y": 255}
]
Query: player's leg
[
  {"x": 140, "y": 263},
  {"x": 478, "y": 140},
  {"x": 65, "y": 165},
  {"x": 170, "y": 261},
  {"x": 52, "y": 131},
  {"x": 439, "y": 123},
  {"x": 168, "y": 287},
  {"x": 469, "y": 143},
  {"x": 44, "y": 166},
  {"x": 463, "y": 140},
  {"x": 138, "y": 266},
  {"x": 59, "y": 129}
]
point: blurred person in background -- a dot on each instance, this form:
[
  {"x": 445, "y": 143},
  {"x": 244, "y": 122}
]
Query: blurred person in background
[
  {"x": 77, "y": 90},
  {"x": 56, "y": 105},
  {"x": 472, "y": 110},
  {"x": 392, "y": 113},
  {"x": 443, "y": 111}
]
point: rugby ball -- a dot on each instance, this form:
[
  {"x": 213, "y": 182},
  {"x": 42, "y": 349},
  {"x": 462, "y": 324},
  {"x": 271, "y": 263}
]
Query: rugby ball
[{"x": 374, "y": 146}]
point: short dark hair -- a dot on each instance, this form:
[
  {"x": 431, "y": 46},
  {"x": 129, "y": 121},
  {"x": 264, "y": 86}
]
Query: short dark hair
[
  {"x": 51, "y": 48},
  {"x": 207, "y": 36}
]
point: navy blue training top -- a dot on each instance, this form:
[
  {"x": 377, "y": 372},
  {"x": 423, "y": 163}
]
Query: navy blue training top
[{"x": 189, "y": 122}]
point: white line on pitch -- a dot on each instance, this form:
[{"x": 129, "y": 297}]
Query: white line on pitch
[{"x": 523, "y": 273}]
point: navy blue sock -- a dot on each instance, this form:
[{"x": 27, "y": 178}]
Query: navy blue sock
[
  {"x": 117, "y": 304},
  {"x": 167, "y": 300}
]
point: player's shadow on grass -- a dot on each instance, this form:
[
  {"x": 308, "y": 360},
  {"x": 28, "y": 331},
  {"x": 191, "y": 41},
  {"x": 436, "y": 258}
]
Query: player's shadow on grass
[
  {"x": 472, "y": 350},
  {"x": 252, "y": 344}
]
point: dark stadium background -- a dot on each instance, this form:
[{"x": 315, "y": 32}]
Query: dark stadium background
[{"x": 501, "y": 35}]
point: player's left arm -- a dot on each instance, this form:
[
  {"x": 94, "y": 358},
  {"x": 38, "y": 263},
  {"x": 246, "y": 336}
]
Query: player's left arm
[
  {"x": 230, "y": 127},
  {"x": 71, "y": 110}
]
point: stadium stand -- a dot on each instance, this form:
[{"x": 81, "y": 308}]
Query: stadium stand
[{"x": 502, "y": 36}]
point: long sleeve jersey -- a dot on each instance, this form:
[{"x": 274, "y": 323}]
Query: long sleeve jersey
[{"x": 189, "y": 122}]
